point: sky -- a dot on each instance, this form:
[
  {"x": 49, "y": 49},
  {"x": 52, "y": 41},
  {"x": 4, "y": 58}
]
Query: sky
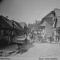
[{"x": 27, "y": 10}]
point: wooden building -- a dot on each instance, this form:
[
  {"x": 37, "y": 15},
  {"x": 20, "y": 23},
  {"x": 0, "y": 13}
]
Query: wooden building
[{"x": 8, "y": 29}]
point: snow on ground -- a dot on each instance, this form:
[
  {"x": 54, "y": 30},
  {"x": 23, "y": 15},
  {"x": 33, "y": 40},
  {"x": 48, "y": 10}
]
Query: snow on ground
[{"x": 42, "y": 50}]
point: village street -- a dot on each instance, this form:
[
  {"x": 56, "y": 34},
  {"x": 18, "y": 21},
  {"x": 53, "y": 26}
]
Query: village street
[{"x": 38, "y": 51}]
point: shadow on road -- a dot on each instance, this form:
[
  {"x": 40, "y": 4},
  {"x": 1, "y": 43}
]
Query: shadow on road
[
  {"x": 24, "y": 48},
  {"x": 11, "y": 49},
  {"x": 3, "y": 43}
]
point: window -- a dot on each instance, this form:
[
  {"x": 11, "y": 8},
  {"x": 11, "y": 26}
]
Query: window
[{"x": 2, "y": 32}]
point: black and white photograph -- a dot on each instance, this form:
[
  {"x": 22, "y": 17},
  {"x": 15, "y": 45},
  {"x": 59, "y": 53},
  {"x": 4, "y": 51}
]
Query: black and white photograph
[{"x": 29, "y": 29}]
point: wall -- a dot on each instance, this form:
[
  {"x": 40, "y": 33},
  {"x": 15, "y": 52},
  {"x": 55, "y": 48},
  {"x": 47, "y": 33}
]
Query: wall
[{"x": 48, "y": 29}]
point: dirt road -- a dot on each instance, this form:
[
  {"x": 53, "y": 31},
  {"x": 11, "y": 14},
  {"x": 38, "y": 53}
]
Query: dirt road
[{"x": 42, "y": 50}]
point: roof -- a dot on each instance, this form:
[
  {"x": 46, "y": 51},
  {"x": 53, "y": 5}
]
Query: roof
[
  {"x": 23, "y": 24},
  {"x": 48, "y": 18},
  {"x": 17, "y": 25},
  {"x": 6, "y": 23}
]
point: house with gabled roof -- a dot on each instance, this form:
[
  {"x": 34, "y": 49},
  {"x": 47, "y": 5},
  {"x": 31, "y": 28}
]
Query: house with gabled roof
[
  {"x": 51, "y": 22},
  {"x": 8, "y": 28},
  {"x": 47, "y": 21}
]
